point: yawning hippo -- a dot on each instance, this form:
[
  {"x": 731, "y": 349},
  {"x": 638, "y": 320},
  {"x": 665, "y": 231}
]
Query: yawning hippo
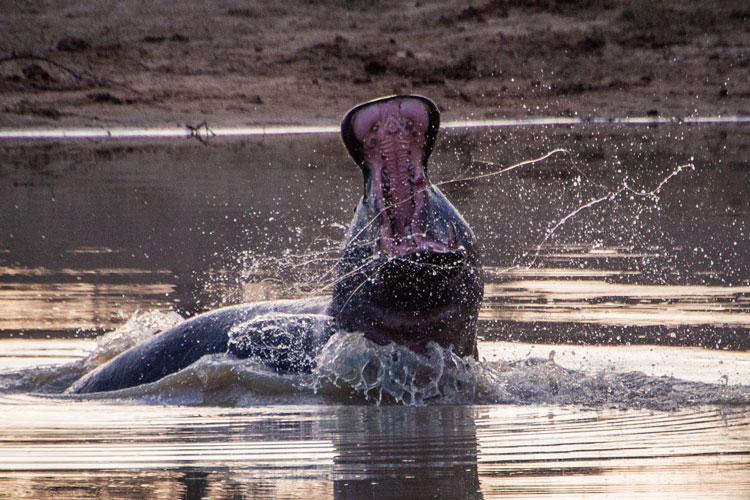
[{"x": 409, "y": 271}]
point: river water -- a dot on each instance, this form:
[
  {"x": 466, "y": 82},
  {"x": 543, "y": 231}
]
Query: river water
[{"x": 614, "y": 335}]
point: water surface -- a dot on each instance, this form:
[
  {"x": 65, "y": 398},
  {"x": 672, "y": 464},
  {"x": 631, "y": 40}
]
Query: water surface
[
  {"x": 104, "y": 450},
  {"x": 614, "y": 332}
]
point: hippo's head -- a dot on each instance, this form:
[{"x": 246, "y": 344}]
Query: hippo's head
[{"x": 409, "y": 271}]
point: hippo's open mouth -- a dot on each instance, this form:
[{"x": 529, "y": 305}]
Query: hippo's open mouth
[
  {"x": 391, "y": 140},
  {"x": 409, "y": 271}
]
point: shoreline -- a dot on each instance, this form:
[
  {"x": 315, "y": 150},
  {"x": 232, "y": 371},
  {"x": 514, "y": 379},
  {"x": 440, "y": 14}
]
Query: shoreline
[
  {"x": 204, "y": 132},
  {"x": 312, "y": 60}
]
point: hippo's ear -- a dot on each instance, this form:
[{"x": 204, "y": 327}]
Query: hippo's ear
[{"x": 365, "y": 115}]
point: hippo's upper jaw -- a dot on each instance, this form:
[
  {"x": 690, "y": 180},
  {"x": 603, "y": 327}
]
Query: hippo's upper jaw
[
  {"x": 409, "y": 270},
  {"x": 391, "y": 139}
]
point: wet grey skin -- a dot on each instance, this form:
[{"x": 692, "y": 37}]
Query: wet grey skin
[{"x": 408, "y": 272}]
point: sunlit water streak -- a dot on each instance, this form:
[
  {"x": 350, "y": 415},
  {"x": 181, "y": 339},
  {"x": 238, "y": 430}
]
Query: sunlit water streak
[
  {"x": 125, "y": 437},
  {"x": 629, "y": 455},
  {"x": 593, "y": 301},
  {"x": 67, "y": 303},
  {"x": 205, "y": 131}
]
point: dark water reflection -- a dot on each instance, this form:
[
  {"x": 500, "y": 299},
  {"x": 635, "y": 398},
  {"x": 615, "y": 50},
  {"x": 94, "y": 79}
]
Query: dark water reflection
[
  {"x": 406, "y": 453},
  {"x": 92, "y": 232}
]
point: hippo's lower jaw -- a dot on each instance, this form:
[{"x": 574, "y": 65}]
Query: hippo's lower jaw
[
  {"x": 413, "y": 299},
  {"x": 416, "y": 329},
  {"x": 414, "y": 243}
]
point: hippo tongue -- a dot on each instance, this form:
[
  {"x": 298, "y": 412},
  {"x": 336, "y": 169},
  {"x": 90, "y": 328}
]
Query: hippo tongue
[{"x": 393, "y": 134}]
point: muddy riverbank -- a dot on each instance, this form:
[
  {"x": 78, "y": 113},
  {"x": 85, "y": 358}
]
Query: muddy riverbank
[{"x": 238, "y": 63}]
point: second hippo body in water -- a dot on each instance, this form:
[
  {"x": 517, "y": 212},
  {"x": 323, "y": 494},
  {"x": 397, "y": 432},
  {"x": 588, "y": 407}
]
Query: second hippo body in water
[{"x": 408, "y": 272}]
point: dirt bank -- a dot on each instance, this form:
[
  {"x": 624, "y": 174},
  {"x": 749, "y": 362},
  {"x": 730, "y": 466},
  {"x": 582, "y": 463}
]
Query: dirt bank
[{"x": 307, "y": 61}]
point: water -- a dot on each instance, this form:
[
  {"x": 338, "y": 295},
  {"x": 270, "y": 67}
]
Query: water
[
  {"x": 613, "y": 336},
  {"x": 204, "y": 132},
  {"x": 359, "y": 451}
]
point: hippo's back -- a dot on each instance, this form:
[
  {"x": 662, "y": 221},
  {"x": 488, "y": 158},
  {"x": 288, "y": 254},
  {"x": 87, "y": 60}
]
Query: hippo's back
[{"x": 183, "y": 344}]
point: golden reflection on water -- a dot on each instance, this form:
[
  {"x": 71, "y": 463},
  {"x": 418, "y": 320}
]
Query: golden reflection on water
[
  {"x": 594, "y": 301},
  {"x": 74, "y": 306},
  {"x": 559, "y": 453},
  {"x": 99, "y": 299},
  {"x": 110, "y": 436},
  {"x": 157, "y": 485},
  {"x": 66, "y": 456},
  {"x": 26, "y": 353},
  {"x": 77, "y": 299},
  {"x": 43, "y": 271},
  {"x": 87, "y": 449}
]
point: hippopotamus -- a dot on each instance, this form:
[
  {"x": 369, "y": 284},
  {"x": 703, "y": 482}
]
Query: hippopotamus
[{"x": 408, "y": 271}]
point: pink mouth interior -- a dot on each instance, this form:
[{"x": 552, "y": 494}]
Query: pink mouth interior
[{"x": 393, "y": 134}]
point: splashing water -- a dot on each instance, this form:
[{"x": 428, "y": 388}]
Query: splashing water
[
  {"x": 138, "y": 329},
  {"x": 310, "y": 271},
  {"x": 610, "y": 196},
  {"x": 350, "y": 368},
  {"x": 441, "y": 377},
  {"x": 395, "y": 371},
  {"x": 55, "y": 379}
]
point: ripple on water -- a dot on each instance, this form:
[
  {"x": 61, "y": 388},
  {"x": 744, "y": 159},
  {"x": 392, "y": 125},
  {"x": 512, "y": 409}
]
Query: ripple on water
[{"x": 155, "y": 451}]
